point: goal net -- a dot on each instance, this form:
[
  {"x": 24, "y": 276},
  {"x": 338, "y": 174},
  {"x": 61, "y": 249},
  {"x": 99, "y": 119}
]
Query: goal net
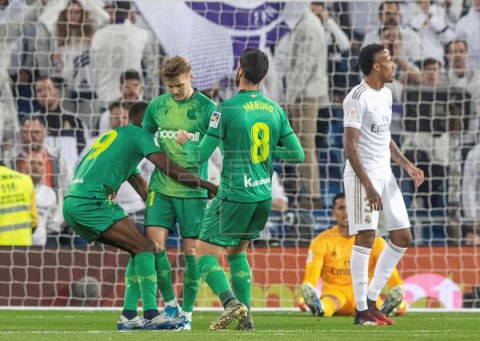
[{"x": 98, "y": 57}]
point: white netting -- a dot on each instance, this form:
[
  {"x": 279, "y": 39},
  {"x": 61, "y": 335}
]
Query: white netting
[{"x": 435, "y": 123}]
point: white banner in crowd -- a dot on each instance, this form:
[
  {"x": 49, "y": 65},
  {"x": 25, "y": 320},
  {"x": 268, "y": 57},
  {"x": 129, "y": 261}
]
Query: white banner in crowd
[{"x": 212, "y": 35}]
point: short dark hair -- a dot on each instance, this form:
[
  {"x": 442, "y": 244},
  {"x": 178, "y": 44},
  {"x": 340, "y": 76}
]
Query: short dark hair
[
  {"x": 366, "y": 58},
  {"x": 120, "y": 104},
  {"x": 137, "y": 109},
  {"x": 129, "y": 75},
  {"x": 122, "y": 8},
  {"x": 380, "y": 8},
  {"x": 33, "y": 117},
  {"x": 429, "y": 61},
  {"x": 254, "y": 63},
  {"x": 336, "y": 197}
]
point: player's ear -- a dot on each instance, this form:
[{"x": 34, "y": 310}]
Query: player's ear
[{"x": 190, "y": 76}]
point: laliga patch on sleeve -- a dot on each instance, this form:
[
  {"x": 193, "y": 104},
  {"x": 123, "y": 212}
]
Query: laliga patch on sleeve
[
  {"x": 215, "y": 119},
  {"x": 310, "y": 256}
]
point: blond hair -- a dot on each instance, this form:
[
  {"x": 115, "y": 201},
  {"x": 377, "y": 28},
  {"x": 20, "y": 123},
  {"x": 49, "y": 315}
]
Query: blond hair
[{"x": 174, "y": 67}]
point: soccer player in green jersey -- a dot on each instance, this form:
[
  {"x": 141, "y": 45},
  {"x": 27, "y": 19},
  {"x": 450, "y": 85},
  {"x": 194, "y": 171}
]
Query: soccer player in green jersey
[
  {"x": 169, "y": 201},
  {"x": 87, "y": 207},
  {"x": 248, "y": 128}
]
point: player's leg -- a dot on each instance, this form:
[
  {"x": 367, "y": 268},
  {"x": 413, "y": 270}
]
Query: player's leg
[
  {"x": 128, "y": 319},
  {"x": 237, "y": 255},
  {"x": 107, "y": 222},
  {"x": 397, "y": 222},
  {"x": 362, "y": 223},
  {"x": 160, "y": 218},
  {"x": 190, "y": 214},
  {"x": 125, "y": 235},
  {"x": 215, "y": 235}
]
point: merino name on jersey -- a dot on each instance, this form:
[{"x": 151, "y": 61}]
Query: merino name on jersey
[{"x": 257, "y": 105}]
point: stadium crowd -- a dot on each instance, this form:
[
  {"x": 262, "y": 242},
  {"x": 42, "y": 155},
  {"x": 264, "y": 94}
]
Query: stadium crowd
[{"x": 59, "y": 91}]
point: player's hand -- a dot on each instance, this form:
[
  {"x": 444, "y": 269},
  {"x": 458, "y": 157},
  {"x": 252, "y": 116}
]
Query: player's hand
[
  {"x": 211, "y": 188},
  {"x": 374, "y": 199},
  {"x": 183, "y": 136},
  {"x": 416, "y": 174},
  {"x": 112, "y": 196}
]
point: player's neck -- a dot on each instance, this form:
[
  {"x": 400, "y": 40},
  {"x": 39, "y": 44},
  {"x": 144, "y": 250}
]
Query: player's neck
[
  {"x": 247, "y": 86},
  {"x": 374, "y": 83}
]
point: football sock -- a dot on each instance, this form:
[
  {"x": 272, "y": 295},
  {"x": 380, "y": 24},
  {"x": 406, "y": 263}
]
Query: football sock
[
  {"x": 329, "y": 306},
  {"x": 359, "y": 269},
  {"x": 387, "y": 261},
  {"x": 191, "y": 283},
  {"x": 241, "y": 278},
  {"x": 164, "y": 276},
  {"x": 215, "y": 277},
  {"x": 132, "y": 290},
  {"x": 145, "y": 269}
]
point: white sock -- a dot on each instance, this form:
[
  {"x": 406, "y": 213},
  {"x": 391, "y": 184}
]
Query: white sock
[
  {"x": 359, "y": 270},
  {"x": 386, "y": 263},
  {"x": 172, "y": 303},
  {"x": 188, "y": 315}
]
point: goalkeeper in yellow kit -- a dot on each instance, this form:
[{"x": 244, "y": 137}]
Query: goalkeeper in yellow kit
[{"x": 329, "y": 260}]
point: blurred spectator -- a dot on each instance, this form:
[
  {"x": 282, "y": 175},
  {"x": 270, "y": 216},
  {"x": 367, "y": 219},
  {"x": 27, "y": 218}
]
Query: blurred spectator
[
  {"x": 45, "y": 40},
  {"x": 302, "y": 60},
  {"x": 338, "y": 47},
  {"x": 458, "y": 75},
  {"x": 429, "y": 126},
  {"x": 117, "y": 115},
  {"x": 13, "y": 16},
  {"x": 71, "y": 61},
  {"x": 431, "y": 22},
  {"x": 22, "y": 50},
  {"x": 131, "y": 88},
  {"x": 471, "y": 185},
  {"x": 406, "y": 72},
  {"x": 46, "y": 199},
  {"x": 122, "y": 46},
  {"x": 389, "y": 14},
  {"x": 66, "y": 131},
  {"x": 55, "y": 176},
  {"x": 467, "y": 29},
  {"x": 18, "y": 212}
]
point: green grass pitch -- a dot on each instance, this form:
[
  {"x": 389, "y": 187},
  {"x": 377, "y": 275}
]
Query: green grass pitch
[{"x": 101, "y": 325}]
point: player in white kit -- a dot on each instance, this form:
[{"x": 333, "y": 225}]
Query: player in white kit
[{"x": 370, "y": 186}]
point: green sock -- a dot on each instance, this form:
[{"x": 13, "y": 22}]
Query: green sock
[
  {"x": 241, "y": 278},
  {"x": 145, "y": 269},
  {"x": 191, "y": 283},
  {"x": 215, "y": 277},
  {"x": 132, "y": 290},
  {"x": 164, "y": 276}
]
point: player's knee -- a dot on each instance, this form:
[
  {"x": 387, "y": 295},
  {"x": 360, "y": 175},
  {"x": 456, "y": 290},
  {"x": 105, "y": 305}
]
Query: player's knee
[
  {"x": 146, "y": 245},
  {"x": 401, "y": 238}
]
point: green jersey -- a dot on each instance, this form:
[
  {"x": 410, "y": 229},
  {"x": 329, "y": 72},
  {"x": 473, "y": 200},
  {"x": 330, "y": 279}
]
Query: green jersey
[
  {"x": 164, "y": 117},
  {"x": 111, "y": 159},
  {"x": 249, "y": 126}
]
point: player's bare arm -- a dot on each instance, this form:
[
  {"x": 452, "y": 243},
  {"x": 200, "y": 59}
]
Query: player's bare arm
[
  {"x": 415, "y": 173},
  {"x": 351, "y": 137},
  {"x": 139, "y": 185},
  {"x": 171, "y": 169}
]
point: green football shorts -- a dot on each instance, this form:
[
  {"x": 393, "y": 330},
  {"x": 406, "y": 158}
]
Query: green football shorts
[
  {"x": 89, "y": 217},
  {"x": 226, "y": 223},
  {"x": 163, "y": 210}
]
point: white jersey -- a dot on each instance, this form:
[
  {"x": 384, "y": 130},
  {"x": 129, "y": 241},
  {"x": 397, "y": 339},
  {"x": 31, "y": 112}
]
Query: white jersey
[{"x": 370, "y": 111}]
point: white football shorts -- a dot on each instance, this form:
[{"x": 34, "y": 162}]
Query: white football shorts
[{"x": 360, "y": 215}]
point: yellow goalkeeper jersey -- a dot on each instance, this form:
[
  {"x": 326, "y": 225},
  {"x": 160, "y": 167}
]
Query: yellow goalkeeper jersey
[{"x": 329, "y": 259}]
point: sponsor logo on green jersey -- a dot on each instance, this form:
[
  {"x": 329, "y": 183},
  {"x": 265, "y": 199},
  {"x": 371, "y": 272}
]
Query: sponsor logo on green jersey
[
  {"x": 248, "y": 182},
  {"x": 172, "y": 134}
]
